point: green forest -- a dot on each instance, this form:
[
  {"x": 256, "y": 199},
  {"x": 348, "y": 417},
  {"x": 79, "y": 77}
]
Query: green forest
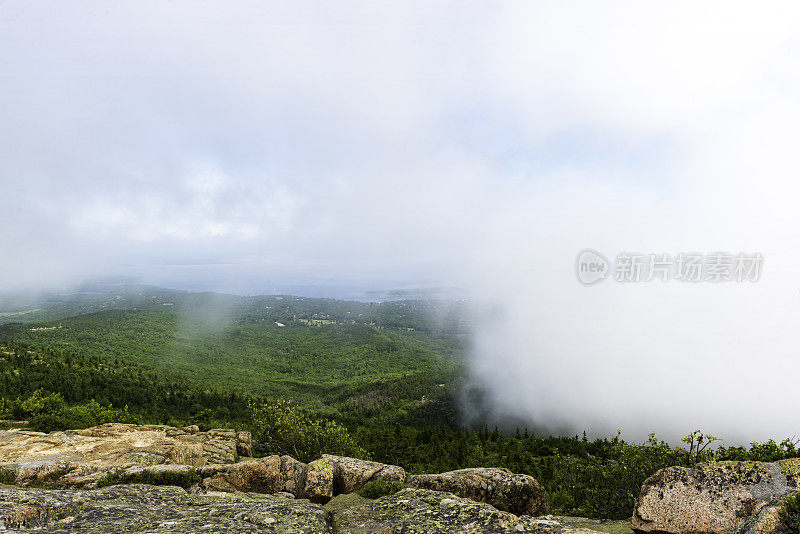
[{"x": 306, "y": 376}]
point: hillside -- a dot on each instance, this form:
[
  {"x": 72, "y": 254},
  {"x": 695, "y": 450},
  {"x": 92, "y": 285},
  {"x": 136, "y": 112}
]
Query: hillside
[
  {"x": 378, "y": 381},
  {"x": 321, "y": 353}
]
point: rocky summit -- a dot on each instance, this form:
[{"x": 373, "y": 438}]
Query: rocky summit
[
  {"x": 158, "y": 479},
  {"x": 150, "y": 478},
  {"x": 113, "y": 453},
  {"x": 138, "y": 508}
]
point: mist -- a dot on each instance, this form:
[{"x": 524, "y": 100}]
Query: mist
[{"x": 255, "y": 148}]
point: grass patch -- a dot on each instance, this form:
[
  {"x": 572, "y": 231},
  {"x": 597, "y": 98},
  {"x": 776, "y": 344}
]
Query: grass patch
[
  {"x": 790, "y": 513},
  {"x": 790, "y": 467},
  {"x": 7, "y": 476},
  {"x": 344, "y": 501},
  {"x": 49, "y": 480},
  {"x": 380, "y": 488}
]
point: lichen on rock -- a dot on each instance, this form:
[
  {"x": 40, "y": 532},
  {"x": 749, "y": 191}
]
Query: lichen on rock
[
  {"x": 319, "y": 480},
  {"x": 716, "y": 497},
  {"x": 155, "y": 509},
  {"x": 422, "y": 511},
  {"x": 262, "y": 476},
  {"x": 519, "y": 494}
]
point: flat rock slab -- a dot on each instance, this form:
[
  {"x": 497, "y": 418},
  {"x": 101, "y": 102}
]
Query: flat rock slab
[
  {"x": 115, "y": 445},
  {"x": 154, "y": 509}
]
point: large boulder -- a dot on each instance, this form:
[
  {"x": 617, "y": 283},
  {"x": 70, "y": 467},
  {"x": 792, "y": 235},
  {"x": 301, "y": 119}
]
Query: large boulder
[
  {"x": 271, "y": 474},
  {"x": 518, "y": 494},
  {"x": 434, "y": 512},
  {"x": 717, "y": 497},
  {"x": 293, "y": 473},
  {"x": 154, "y": 509},
  {"x": 350, "y": 474},
  {"x": 319, "y": 480},
  {"x": 261, "y": 476},
  {"x": 244, "y": 444},
  {"x": 334, "y": 475}
]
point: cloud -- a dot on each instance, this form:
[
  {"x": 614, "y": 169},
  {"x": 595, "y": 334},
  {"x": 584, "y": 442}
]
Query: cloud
[{"x": 468, "y": 144}]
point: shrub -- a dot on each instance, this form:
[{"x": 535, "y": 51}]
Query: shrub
[
  {"x": 380, "y": 488},
  {"x": 49, "y": 412},
  {"x": 603, "y": 486},
  {"x": 790, "y": 513},
  {"x": 284, "y": 429},
  {"x": 80, "y": 416},
  {"x": 7, "y": 476}
]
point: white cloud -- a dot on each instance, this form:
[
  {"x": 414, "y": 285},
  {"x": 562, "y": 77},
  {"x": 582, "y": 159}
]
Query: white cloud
[{"x": 473, "y": 143}]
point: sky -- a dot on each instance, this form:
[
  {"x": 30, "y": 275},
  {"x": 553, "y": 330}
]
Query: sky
[{"x": 247, "y": 146}]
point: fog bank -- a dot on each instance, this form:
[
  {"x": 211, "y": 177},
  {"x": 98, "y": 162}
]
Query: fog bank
[{"x": 249, "y": 146}]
